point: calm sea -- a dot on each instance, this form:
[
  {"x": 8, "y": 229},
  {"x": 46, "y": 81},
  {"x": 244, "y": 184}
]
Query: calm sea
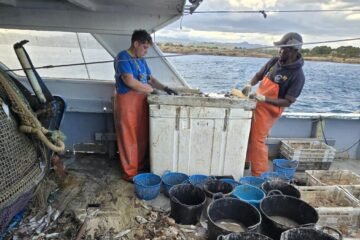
[{"x": 329, "y": 87}]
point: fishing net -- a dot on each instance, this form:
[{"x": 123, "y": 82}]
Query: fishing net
[
  {"x": 20, "y": 170},
  {"x": 9, "y": 212},
  {"x": 29, "y": 123}
]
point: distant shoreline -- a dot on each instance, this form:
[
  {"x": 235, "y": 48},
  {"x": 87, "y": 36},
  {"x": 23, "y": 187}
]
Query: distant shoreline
[{"x": 203, "y": 50}]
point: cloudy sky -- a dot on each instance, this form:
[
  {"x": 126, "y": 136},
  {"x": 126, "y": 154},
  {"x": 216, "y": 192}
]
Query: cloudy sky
[{"x": 253, "y": 28}]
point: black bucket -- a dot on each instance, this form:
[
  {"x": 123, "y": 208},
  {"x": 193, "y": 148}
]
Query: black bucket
[
  {"x": 281, "y": 213},
  {"x": 244, "y": 236},
  {"x": 212, "y": 187},
  {"x": 283, "y": 187},
  {"x": 231, "y": 215},
  {"x": 187, "y": 202},
  {"x": 310, "y": 233}
]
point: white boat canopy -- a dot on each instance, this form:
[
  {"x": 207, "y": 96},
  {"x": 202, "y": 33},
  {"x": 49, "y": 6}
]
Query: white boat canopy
[
  {"x": 111, "y": 22},
  {"x": 92, "y": 16}
]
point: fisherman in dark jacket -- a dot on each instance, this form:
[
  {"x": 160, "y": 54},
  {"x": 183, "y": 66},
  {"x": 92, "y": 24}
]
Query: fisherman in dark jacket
[{"x": 282, "y": 80}]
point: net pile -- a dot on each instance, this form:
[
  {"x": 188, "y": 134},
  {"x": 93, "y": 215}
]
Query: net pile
[
  {"x": 19, "y": 165},
  {"x": 28, "y": 120}
]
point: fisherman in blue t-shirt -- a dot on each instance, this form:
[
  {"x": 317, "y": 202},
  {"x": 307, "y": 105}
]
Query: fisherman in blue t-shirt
[{"x": 131, "y": 111}]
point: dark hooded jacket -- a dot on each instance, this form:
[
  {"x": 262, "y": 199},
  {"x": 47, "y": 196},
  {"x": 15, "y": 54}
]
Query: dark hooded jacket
[{"x": 289, "y": 77}]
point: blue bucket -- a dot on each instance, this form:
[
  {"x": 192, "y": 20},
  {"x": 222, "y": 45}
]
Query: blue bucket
[
  {"x": 250, "y": 194},
  {"x": 252, "y": 180},
  {"x": 231, "y": 181},
  {"x": 198, "y": 180},
  {"x": 171, "y": 179},
  {"x": 147, "y": 185},
  {"x": 285, "y": 167},
  {"x": 274, "y": 176}
]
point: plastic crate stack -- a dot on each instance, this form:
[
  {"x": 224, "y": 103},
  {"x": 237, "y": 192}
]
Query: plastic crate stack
[
  {"x": 335, "y": 194},
  {"x": 311, "y": 154}
]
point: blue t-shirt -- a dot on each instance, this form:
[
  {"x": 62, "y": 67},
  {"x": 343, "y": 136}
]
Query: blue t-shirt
[{"x": 125, "y": 64}]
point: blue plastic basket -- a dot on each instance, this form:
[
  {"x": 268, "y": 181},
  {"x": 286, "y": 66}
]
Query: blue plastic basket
[
  {"x": 198, "y": 179},
  {"x": 231, "y": 181},
  {"x": 285, "y": 167},
  {"x": 249, "y": 193},
  {"x": 274, "y": 176},
  {"x": 252, "y": 180},
  {"x": 171, "y": 179},
  {"x": 147, "y": 185}
]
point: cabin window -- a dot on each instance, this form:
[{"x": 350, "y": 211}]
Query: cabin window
[{"x": 58, "y": 48}]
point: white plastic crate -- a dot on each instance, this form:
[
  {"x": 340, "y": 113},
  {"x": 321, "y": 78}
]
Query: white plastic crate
[
  {"x": 334, "y": 177},
  {"x": 336, "y": 208},
  {"x": 311, "y": 154},
  {"x": 353, "y": 190},
  {"x": 199, "y": 135},
  {"x": 305, "y": 150}
]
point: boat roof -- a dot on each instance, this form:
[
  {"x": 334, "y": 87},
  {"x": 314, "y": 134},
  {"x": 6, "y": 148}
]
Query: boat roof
[{"x": 93, "y": 16}]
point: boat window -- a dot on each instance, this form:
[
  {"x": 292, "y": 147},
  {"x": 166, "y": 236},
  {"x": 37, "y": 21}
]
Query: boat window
[{"x": 58, "y": 48}]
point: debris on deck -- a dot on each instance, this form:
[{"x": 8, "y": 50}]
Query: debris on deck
[{"x": 93, "y": 202}]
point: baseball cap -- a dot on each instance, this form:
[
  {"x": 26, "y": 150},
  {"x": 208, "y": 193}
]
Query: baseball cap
[{"x": 291, "y": 39}]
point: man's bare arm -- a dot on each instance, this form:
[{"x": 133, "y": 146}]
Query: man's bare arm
[
  {"x": 156, "y": 84},
  {"x": 136, "y": 85}
]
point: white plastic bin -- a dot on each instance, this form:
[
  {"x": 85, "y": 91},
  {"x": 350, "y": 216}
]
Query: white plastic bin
[
  {"x": 331, "y": 177},
  {"x": 336, "y": 207},
  {"x": 311, "y": 154},
  {"x": 199, "y": 135}
]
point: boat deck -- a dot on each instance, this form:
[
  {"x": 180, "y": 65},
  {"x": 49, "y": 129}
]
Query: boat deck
[
  {"x": 352, "y": 165},
  {"x": 93, "y": 191}
]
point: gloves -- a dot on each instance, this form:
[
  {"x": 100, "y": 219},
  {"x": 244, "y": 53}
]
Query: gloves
[
  {"x": 170, "y": 91},
  {"x": 247, "y": 89},
  {"x": 258, "y": 97}
]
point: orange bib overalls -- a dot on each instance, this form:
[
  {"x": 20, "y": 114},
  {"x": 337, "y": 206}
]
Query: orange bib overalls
[
  {"x": 264, "y": 117},
  {"x": 131, "y": 117}
]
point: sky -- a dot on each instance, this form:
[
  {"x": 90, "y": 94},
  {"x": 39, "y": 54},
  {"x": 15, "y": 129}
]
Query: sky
[{"x": 254, "y": 28}]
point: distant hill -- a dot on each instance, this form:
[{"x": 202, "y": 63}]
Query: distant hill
[
  {"x": 241, "y": 45},
  {"x": 341, "y": 54}
]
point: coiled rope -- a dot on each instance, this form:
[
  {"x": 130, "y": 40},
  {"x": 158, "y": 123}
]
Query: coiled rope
[{"x": 29, "y": 123}]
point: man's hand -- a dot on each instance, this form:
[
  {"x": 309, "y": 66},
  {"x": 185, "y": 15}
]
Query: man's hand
[
  {"x": 170, "y": 91},
  {"x": 246, "y": 89},
  {"x": 155, "y": 92},
  {"x": 258, "y": 97},
  {"x": 148, "y": 89}
]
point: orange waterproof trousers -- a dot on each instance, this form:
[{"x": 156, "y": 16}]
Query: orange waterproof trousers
[
  {"x": 131, "y": 117},
  {"x": 264, "y": 117}
]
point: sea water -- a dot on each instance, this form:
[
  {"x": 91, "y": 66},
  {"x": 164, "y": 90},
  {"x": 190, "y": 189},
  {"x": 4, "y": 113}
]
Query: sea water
[{"x": 329, "y": 87}]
